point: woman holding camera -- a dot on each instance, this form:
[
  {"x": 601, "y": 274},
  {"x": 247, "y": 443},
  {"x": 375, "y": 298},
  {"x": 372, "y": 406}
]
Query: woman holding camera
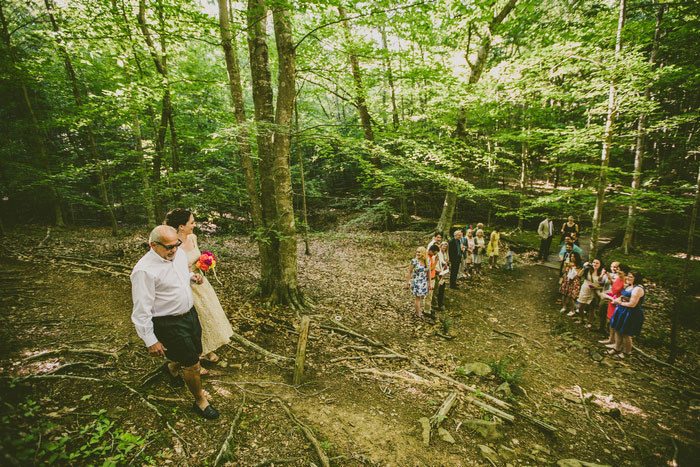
[{"x": 594, "y": 279}]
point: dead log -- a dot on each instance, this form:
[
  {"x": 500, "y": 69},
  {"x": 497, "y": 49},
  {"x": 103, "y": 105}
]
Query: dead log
[
  {"x": 479, "y": 393},
  {"x": 325, "y": 462},
  {"x": 352, "y": 333},
  {"x": 388, "y": 356},
  {"x": 442, "y": 412},
  {"x": 225, "y": 451},
  {"x": 301, "y": 350}
]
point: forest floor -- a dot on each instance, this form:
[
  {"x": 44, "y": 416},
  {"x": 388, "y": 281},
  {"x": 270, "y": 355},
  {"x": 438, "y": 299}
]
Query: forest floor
[{"x": 74, "y": 405}]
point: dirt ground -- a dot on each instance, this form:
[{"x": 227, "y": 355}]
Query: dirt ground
[{"x": 361, "y": 401}]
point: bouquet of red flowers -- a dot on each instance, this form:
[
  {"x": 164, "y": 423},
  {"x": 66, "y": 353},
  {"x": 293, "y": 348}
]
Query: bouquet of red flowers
[{"x": 206, "y": 261}]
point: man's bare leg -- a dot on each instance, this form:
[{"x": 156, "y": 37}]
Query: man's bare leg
[{"x": 191, "y": 376}]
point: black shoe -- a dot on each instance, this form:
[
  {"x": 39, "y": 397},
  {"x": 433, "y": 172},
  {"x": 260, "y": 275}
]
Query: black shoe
[
  {"x": 210, "y": 413},
  {"x": 175, "y": 380}
]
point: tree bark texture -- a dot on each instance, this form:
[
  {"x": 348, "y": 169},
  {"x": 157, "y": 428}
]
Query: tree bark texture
[
  {"x": 264, "y": 120},
  {"x": 477, "y": 68},
  {"x": 607, "y": 145},
  {"x": 267, "y": 261},
  {"x": 286, "y": 290},
  {"x": 640, "y": 144}
]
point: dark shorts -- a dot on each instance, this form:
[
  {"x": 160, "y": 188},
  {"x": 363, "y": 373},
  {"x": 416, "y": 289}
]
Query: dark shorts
[{"x": 181, "y": 335}]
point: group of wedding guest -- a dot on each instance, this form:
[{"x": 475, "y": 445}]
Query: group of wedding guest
[
  {"x": 175, "y": 309},
  {"x": 460, "y": 258},
  {"x": 590, "y": 293}
]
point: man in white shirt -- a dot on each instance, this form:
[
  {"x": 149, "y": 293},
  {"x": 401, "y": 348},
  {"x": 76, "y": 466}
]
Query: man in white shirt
[
  {"x": 164, "y": 315},
  {"x": 546, "y": 232}
]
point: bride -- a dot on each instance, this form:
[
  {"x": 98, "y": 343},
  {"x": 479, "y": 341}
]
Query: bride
[{"x": 216, "y": 329}]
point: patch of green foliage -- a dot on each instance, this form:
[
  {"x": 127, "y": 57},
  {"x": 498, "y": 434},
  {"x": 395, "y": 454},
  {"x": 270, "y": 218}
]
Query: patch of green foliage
[
  {"x": 28, "y": 438},
  {"x": 500, "y": 369}
]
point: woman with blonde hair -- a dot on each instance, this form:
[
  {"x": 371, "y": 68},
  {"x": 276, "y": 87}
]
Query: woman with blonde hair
[
  {"x": 492, "y": 248},
  {"x": 417, "y": 280}
]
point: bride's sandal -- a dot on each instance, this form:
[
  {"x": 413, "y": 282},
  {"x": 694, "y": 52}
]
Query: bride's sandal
[{"x": 613, "y": 352}]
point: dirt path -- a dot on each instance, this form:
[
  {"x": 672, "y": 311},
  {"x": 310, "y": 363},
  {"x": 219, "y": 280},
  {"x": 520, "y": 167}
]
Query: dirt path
[{"x": 363, "y": 409}]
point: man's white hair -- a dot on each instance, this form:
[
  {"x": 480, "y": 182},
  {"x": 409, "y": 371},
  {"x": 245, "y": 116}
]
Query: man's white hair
[{"x": 158, "y": 231}]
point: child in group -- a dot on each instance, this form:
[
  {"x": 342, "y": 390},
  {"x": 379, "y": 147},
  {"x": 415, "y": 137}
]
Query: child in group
[{"x": 509, "y": 257}]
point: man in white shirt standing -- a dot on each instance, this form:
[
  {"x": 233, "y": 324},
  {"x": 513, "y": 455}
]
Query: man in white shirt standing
[
  {"x": 546, "y": 232},
  {"x": 164, "y": 315}
]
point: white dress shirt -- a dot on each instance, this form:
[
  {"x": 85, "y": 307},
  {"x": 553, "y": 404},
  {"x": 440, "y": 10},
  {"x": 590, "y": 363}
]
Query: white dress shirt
[
  {"x": 159, "y": 288},
  {"x": 545, "y": 229}
]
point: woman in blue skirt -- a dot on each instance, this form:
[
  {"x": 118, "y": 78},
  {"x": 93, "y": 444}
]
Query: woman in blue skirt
[{"x": 629, "y": 316}]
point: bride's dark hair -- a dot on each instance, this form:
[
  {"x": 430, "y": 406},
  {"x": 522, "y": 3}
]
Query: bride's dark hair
[{"x": 177, "y": 217}]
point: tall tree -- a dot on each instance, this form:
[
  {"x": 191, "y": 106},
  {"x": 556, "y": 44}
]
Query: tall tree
[
  {"x": 244, "y": 151},
  {"x": 477, "y": 69},
  {"x": 607, "y": 140}
]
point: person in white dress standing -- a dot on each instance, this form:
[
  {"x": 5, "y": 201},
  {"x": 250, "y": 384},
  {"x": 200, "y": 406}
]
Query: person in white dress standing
[{"x": 216, "y": 328}]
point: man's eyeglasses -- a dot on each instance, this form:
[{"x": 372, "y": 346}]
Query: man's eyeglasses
[{"x": 169, "y": 247}]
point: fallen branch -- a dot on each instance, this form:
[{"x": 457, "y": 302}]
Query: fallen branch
[
  {"x": 276, "y": 460},
  {"x": 225, "y": 451},
  {"x": 255, "y": 347},
  {"x": 352, "y": 333},
  {"x": 496, "y": 401},
  {"x": 362, "y": 357},
  {"x": 49, "y": 353},
  {"x": 374, "y": 371},
  {"x": 155, "y": 409},
  {"x": 588, "y": 415},
  {"x": 684, "y": 373},
  {"x": 87, "y": 260},
  {"x": 442, "y": 412},
  {"x": 506, "y": 333},
  {"x": 325, "y": 462}
]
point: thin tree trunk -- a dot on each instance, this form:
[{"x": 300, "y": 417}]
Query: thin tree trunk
[
  {"x": 390, "y": 80},
  {"x": 681, "y": 297},
  {"x": 264, "y": 119},
  {"x": 39, "y": 135},
  {"x": 307, "y": 251},
  {"x": 640, "y": 144},
  {"x": 607, "y": 144},
  {"x": 477, "y": 68}
]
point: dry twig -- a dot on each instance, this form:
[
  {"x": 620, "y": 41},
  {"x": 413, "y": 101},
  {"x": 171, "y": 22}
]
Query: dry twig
[{"x": 325, "y": 462}]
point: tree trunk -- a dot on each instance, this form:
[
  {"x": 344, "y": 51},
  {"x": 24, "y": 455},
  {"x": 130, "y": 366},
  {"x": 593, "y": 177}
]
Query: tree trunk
[
  {"x": 39, "y": 135},
  {"x": 145, "y": 183},
  {"x": 681, "y": 296},
  {"x": 607, "y": 145},
  {"x": 264, "y": 118},
  {"x": 640, "y": 146},
  {"x": 287, "y": 291},
  {"x": 477, "y": 68},
  {"x": 267, "y": 262},
  {"x": 307, "y": 251}
]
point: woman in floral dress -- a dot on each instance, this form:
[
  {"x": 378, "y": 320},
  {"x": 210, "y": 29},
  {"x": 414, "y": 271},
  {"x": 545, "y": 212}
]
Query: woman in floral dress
[{"x": 417, "y": 280}]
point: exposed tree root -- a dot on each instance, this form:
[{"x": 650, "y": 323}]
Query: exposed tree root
[
  {"x": 325, "y": 462},
  {"x": 675, "y": 368},
  {"x": 255, "y": 347},
  {"x": 225, "y": 451},
  {"x": 52, "y": 353}
]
